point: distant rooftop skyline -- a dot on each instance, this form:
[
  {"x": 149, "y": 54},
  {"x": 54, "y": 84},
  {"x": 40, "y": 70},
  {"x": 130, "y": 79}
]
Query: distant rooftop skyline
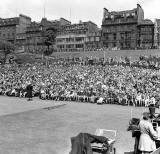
[{"x": 74, "y": 10}]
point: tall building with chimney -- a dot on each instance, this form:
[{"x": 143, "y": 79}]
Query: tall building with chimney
[
  {"x": 145, "y": 34},
  {"x": 126, "y": 29},
  {"x": 14, "y": 29}
]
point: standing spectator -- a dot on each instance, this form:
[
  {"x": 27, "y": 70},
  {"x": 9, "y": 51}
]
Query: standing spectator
[
  {"x": 152, "y": 107},
  {"x": 29, "y": 92}
]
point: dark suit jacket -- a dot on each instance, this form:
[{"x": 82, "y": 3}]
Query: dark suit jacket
[{"x": 29, "y": 91}]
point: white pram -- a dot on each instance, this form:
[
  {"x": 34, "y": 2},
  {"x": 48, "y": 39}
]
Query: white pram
[{"x": 101, "y": 148}]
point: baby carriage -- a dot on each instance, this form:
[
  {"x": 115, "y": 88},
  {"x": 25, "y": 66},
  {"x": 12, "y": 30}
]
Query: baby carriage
[{"x": 102, "y": 148}]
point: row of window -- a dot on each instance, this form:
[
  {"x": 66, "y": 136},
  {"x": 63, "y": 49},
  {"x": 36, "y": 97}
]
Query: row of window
[
  {"x": 121, "y": 45},
  {"x": 121, "y": 15},
  {"x": 7, "y": 35},
  {"x": 147, "y": 29},
  {"x": 70, "y": 46},
  {"x": 115, "y": 36},
  {"x": 92, "y": 39},
  {"x": 79, "y": 39},
  {"x": 119, "y": 21},
  {"x": 125, "y": 44},
  {"x": 72, "y": 32},
  {"x": 120, "y": 28}
]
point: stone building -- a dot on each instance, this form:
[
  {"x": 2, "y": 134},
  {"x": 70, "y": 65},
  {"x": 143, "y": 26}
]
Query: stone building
[
  {"x": 145, "y": 38},
  {"x": 74, "y": 37},
  {"x": 13, "y": 29},
  {"x": 157, "y": 33},
  {"x": 93, "y": 41},
  {"x": 34, "y": 34},
  {"x": 119, "y": 28}
]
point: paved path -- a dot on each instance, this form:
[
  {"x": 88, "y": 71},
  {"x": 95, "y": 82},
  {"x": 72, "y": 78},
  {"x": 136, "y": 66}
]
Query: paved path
[
  {"x": 40, "y": 131},
  {"x": 12, "y": 105}
]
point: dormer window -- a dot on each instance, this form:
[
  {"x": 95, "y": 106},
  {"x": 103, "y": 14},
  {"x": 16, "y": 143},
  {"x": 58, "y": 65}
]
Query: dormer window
[
  {"x": 133, "y": 14},
  {"x": 107, "y": 16},
  {"x": 112, "y": 16},
  {"x": 127, "y": 15},
  {"x": 41, "y": 27}
]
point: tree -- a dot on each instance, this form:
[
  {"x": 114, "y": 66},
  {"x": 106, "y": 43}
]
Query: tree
[
  {"x": 49, "y": 38},
  {"x": 6, "y": 48}
]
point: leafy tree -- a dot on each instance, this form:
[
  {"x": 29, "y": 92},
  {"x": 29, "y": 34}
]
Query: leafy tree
[
  {"x": 6, "y": 48},
  {"x": 49, "y": 37},
  {"x": 48, "y": 52}
]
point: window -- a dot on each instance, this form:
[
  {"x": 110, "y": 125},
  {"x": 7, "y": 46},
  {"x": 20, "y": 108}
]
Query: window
[
  {"x": 87, "y": 39},
  {"x": 59, "y": 40},
  {"x": 127, "y": 14},
  {"x": 133, "y": 14},
  {"x": 122, "y": 36},
  {"x": 105, "y": 36},
  {"x": 69, "y": 39},
  {"x": 79, "y": 39},
  {"x": 114, "y": 36},
  {"x": 92, "y": 39},
  {"x": 112, "y": 16},
  {"x": 97, "y": 38},
  {"x": 106, "y": 45},
  {"x": 61, "y": 46},
  {"x": 79, "y": 45}
]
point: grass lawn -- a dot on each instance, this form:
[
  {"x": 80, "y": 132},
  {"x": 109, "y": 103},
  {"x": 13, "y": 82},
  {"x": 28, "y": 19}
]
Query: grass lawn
[
  {"x": 43, "y": 131},
  {"x": 133, "y": 54}
]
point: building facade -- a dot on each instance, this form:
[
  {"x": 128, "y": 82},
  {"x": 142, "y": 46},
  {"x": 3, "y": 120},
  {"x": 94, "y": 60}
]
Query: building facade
[
  {"x": 145, "y": 38},
  {"x": 74, "y": 37},
  {"x": 119, "y": 29},
  {"x": 12, "y": 28},
  {"x": 35, "y": 33},
  {"x": 93, "y": 41},
  {"x": 157, "y": 33}
]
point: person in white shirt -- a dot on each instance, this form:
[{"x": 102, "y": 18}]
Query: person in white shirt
[
  {"x": 100, "y": 100},
  {"x": 148, "y": 135},
  {"x": 146, "y": 101}
]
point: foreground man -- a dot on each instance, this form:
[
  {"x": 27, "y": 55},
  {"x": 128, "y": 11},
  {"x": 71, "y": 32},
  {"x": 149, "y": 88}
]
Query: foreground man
[{"x": 148, "y": 135}]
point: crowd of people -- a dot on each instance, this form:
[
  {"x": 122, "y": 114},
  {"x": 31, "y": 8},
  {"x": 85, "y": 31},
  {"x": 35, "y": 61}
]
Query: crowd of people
[{"x": 63, "y": 81}]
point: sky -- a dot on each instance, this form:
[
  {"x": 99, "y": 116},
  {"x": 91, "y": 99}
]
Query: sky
[{"x": 74, "y": 10}]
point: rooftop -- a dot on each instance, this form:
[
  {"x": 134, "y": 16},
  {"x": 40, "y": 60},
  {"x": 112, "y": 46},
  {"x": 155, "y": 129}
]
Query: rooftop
[
  {"x": 123, "y": 12},
  {"x": 146, "y": 22},
  {"x": 9, "y": 21}
]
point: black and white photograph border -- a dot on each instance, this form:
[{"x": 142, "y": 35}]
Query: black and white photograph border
[{"x": 79, "y": 77}]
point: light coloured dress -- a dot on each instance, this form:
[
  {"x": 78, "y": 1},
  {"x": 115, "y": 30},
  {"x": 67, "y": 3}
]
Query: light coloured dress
[{"x": 148, "y": 134}]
